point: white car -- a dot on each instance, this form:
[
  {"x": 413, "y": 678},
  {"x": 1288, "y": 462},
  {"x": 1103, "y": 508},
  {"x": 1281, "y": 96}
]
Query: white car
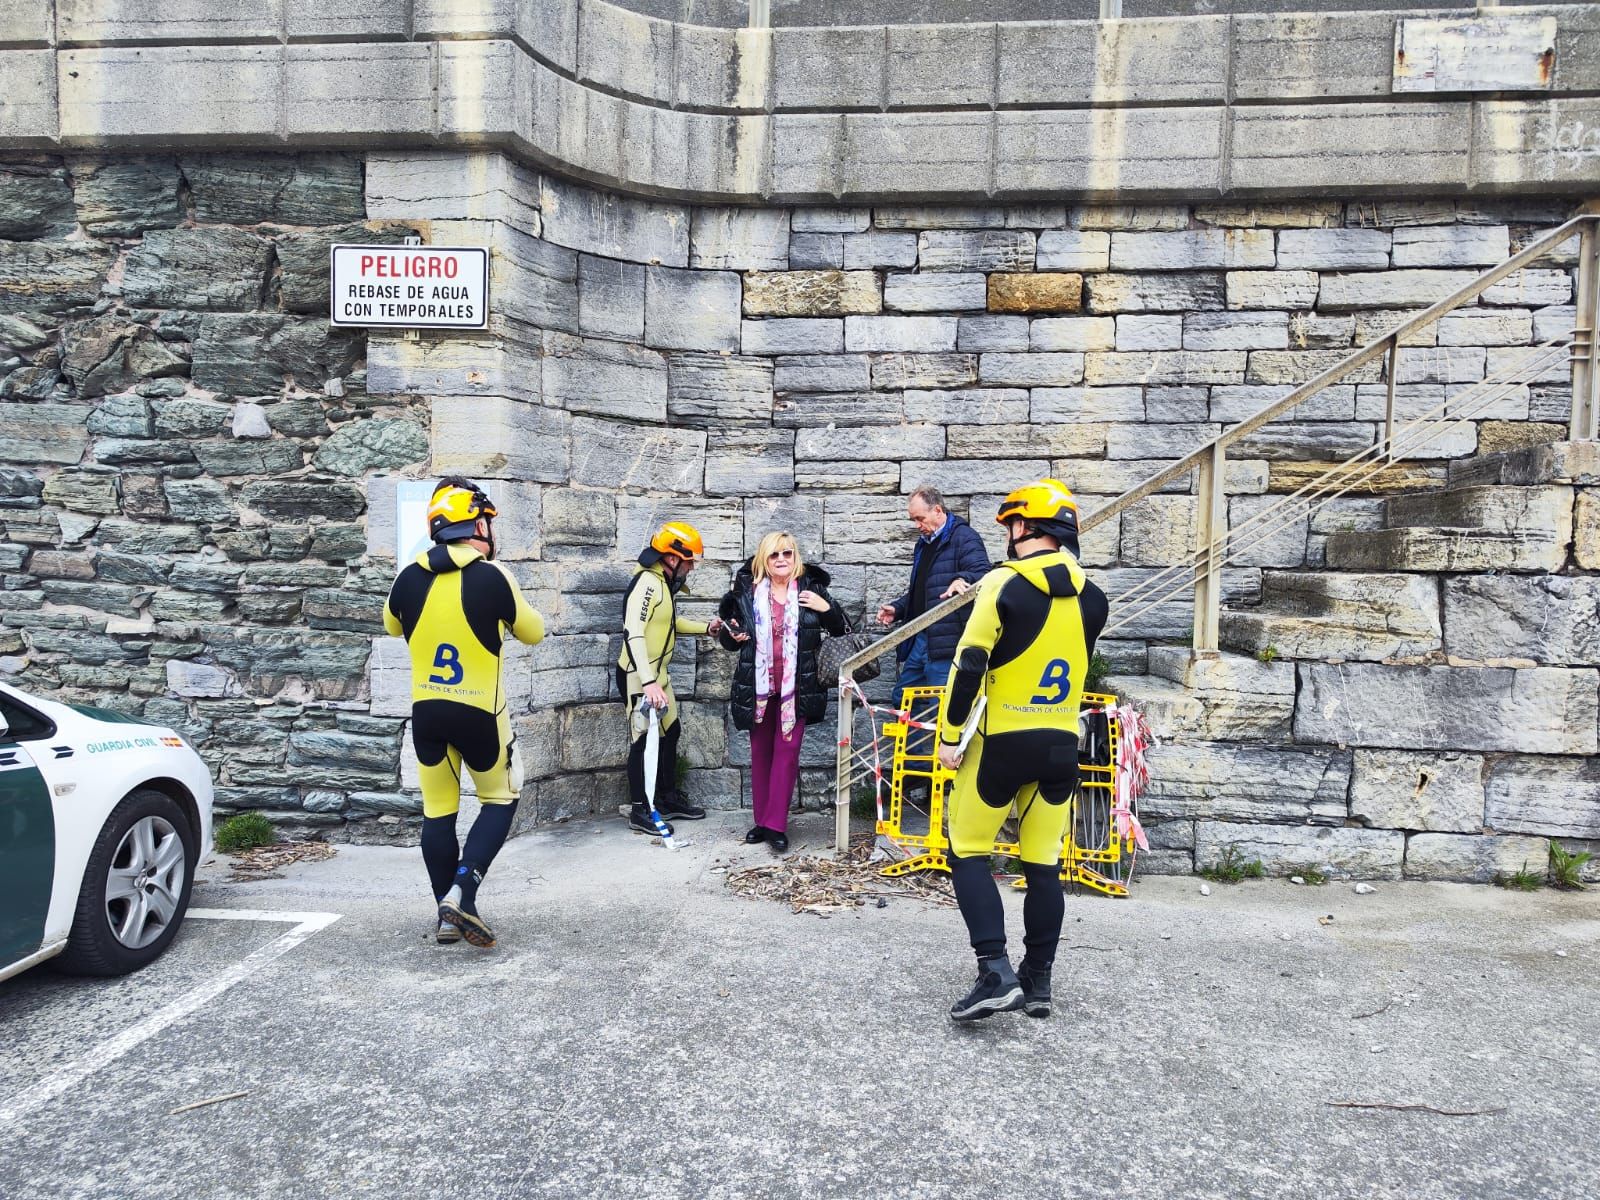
[{"x": 103, "y": 820}]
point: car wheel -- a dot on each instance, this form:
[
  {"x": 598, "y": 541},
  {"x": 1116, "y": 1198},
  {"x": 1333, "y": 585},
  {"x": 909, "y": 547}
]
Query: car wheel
[{"x": 135, "y": 888}]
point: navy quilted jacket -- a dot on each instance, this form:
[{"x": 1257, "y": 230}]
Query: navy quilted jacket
[{"x": 959, "y": 552}]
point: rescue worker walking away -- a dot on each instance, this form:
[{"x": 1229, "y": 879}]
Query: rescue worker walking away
[
  {"x": 650, "y": 629},
  {"x": 1026, "y": 648},
  {"x": 454, "y": 606}
]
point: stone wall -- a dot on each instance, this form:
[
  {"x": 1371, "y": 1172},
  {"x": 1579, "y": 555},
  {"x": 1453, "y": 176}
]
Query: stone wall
[
  {"x": 199, "y": 478},
  {"x": 1250, "y": 104}
]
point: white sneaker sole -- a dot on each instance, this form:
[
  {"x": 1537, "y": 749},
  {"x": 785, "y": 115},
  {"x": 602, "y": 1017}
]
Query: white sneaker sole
[{"x": 1009, "y": 1002}]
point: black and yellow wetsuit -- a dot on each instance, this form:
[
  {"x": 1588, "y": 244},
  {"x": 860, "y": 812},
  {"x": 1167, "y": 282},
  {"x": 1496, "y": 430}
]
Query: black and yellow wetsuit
[
  {"x": 454, "y": 608},
  {"x": 650, "y": 629},
  {"x": 1027, "y": 646}
]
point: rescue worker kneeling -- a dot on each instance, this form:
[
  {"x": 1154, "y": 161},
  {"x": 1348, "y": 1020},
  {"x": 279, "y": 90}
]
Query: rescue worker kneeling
[
  {"x": 1027, "y": 646},
  {"x": 650, "y": 629},
  {"x": 454, "y": 606}
]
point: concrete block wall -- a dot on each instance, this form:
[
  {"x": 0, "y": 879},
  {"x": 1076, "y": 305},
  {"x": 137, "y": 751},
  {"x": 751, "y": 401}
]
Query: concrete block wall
[
  {"x": 1024, "y": 104},
  {"x": 197, "y": 514}
]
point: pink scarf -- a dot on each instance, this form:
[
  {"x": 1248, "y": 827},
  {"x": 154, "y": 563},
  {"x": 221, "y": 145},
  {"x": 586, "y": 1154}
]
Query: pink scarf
[{"x": 791, "y": 646}]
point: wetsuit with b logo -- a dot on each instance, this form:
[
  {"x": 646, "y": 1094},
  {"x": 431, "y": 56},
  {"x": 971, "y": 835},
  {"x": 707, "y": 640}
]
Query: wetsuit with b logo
[
  {"x": 1027, "y": 646},
  {"x": 454, "y": 607}
]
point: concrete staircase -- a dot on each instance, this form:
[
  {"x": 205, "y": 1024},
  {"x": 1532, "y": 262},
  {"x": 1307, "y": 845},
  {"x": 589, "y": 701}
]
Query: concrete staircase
[{"x": 1423, "y": 703}]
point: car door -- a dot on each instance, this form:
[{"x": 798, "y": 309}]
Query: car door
[{"x": 27, "y": 832}]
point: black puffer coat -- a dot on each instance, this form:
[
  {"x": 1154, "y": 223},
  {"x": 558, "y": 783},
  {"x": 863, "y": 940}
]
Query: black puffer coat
[{"x": 811, "y": 699}]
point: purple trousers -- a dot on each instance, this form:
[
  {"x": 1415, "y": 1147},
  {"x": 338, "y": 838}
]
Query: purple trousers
[{"x": 774, "y": 768}]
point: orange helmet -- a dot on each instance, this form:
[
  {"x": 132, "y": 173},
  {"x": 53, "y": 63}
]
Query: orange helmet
[
  {"x": 674, "y": 537},
  {"x": 454, "y": 511},
  {"x": 1047, "y": 506}
]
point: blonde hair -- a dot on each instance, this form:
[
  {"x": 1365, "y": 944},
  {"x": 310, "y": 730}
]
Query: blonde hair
[{"x": 781, "y": 540}]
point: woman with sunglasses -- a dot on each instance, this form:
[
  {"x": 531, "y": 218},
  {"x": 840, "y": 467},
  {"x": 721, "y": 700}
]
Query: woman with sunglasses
[{"x": 780, "y": 606}]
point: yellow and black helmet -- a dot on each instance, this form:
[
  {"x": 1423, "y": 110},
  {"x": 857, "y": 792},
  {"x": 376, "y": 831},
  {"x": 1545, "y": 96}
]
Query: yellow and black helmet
[
  {"x": 455, "y": 509},
  {"x": 674, "y": 537},
  {"x": 1046, "y": 505}
]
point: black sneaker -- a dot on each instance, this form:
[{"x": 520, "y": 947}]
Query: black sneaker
[
  {"x": 1035, "y": 989},
  {"x": 679, "y": 809},
  {"x": 639, "y": 821},
  {"x": 997, "y": 990}
]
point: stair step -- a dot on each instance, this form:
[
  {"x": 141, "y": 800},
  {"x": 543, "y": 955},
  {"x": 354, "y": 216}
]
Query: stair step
[
  {"x": 1324, "y": 615},
  {"x": 1319, "y": 639},
  {"x": 1537, "y": 511},
  {"x": 1416, "y": 548},
  {"x": 1558, "y": 462},
  {"x": 1210, "y": 714},
  {"x": 1382, "y": 601}
]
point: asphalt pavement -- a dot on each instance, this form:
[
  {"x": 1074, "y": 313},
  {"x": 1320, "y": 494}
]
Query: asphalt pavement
[{"x": 643, "y": 1032}]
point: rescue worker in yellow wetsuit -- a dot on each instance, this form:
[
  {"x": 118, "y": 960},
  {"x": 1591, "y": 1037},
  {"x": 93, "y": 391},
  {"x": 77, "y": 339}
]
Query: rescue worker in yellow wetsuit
[
  {"x": 1026, "y": 647},
  {"x": 650, "y": 629},
  {"x": 454, "y": 606}
]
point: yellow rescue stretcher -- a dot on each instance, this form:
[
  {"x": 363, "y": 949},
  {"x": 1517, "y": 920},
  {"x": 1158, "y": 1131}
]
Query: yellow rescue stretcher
[{"x": 1098, "y": 851}]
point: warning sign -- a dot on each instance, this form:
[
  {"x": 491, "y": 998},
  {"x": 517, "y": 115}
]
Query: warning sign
[{"x": 417, "y": 287}]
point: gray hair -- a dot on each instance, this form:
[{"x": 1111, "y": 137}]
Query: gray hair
[{"x": 929, "y": 495}]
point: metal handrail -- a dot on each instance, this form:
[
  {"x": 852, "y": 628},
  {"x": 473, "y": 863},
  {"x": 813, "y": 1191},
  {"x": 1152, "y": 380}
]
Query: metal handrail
[{"x": 1215, "y": 540}]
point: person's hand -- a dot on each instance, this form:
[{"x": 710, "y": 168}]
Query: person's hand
[
  {"x": 714, "y": 626},
  {"x": 740, "y": 636},
  {"x": 655, "y": 696},
  {"x": 885, "y": 614},
  {"x": 950, "y": 757},
  {"x": 957, "y": 586},
  {"x": 814, "y": 602}
]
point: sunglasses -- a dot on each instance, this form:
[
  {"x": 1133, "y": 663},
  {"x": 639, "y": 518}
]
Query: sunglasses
[{"x": 780, "y": 554}]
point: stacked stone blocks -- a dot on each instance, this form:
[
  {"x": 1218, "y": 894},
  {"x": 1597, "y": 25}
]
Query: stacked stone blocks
[{"x": 189, "y": 485}]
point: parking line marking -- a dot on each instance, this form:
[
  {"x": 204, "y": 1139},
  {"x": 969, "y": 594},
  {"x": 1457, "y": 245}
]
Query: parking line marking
[{"x": 109, "y": 1051}]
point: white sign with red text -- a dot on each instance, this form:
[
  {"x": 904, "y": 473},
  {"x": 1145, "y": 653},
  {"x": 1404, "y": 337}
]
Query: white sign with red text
[{"x": 415, "y": 287}]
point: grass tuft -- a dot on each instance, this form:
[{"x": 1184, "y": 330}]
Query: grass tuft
[
  {"x": 244, "y": 831},
  {"x": 1519, "y": 881},
  {"x": 1566, "y": 868},
  {"x": 1230, "y": 868}
]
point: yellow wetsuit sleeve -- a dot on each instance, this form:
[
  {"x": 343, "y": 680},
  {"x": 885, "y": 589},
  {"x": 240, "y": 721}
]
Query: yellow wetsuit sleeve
[
  {"x": 692, "y": 627},
  {"x": 646, "y": 596},
  {"x": 972, "y": 657},
  {"x": 527, "y": 626},
  {"x": 391, "y": 623}
]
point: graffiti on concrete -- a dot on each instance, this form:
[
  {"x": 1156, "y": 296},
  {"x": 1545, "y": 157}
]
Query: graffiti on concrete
[{"x": 1572, "y": 141}]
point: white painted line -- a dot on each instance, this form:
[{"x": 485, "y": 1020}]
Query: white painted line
[
  {"x": 109, "y": 1051},
  {"x": 262, "y": 914}
]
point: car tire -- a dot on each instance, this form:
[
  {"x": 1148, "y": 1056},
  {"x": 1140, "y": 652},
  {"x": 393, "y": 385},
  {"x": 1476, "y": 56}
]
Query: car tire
[{"x": 94, "y": 947}]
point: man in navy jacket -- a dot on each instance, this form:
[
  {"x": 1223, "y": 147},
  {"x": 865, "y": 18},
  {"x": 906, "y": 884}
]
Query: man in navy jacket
[{"x": 949, "y": 558}]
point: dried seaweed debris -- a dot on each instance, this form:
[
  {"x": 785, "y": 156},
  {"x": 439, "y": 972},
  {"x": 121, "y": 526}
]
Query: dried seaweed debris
[{"x": 827, "y": 885}]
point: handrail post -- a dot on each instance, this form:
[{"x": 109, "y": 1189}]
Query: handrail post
[
  {"x": 841, "y": 797},
  {"x": 1388, "y": 407},
  {"x": 1585, "y": 425},
  {"x": 1211, "y": 526}
]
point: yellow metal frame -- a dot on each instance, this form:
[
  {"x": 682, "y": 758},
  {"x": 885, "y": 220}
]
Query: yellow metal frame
[{"x": 1092, "y": 853}]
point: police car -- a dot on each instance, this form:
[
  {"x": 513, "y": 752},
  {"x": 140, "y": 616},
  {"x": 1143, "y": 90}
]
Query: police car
[{"x": 103, "y": 820}]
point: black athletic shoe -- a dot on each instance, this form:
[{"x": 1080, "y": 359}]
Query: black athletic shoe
[
  {"x": 997, "y": 990},
  {"x": 1035, "y": 989},
  {"x": 639, "y": 821},
  {"x": 676, "y": 808},
  {"x": 473, "y": 927},
  {"x": 446, "y": 934}
]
